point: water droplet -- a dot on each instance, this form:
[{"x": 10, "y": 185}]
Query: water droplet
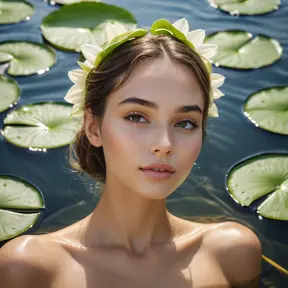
[
  {"x": 235, "y": 13},
  {"x": 39, "y": 72}
]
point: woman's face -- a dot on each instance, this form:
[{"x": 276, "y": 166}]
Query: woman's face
[{"x": 165, "y": 126}]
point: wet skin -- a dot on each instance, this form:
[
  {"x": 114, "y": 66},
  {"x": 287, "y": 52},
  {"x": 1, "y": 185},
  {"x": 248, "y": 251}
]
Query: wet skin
[{"x": 130, "y": 239}]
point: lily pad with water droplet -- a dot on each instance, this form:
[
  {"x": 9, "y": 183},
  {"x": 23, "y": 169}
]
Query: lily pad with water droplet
[
  {"x": 268, "y": 109},
  {"x": 67, "y": 29},
  {"x": 14, "y": 11},
  {"x": 26, "y": 58},
  {"x": 18, "y": 194},
  {"x": 247, "y": 7},
  {"x": 10, "y": 92},
  {"x": 258, "y": 176},
  {"x": 41, "y": 125},
  {"x": 238, "y": 49}
]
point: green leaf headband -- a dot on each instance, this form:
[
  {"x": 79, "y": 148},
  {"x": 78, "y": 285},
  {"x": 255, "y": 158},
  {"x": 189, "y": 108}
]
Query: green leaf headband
[{"x": 116, "y": 34}]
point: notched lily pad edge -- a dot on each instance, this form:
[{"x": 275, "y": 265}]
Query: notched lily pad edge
[
  {"x": 15, "y": 124},
  {"x": 257, "y": 125},
  {"x": 243, "y": 162},
  {"x": 48, "y": 47},
  {"x": 40, "y": 211},
  {"x": 253, "y": 36},
  {"x": 217, "y": 7}
]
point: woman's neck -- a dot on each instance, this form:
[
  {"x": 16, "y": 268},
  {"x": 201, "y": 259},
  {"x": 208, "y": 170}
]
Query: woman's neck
[{"x": 127, "y": 220}]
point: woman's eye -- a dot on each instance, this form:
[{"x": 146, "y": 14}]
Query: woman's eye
[
  {"x": 186, "y": 124},
  {"x": 136, "y": 118}
]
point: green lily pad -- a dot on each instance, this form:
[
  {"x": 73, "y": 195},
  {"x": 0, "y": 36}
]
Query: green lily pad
[
  {"x": 268, "y": 109},
  {"x": 14, "y": 11},
  {"x": 10, "y": 92},
  {"x": 238, "y": 49},
  {"x": 17, "y": 194},
  {"x": 41, "y": 125},
  {"x": 259, "y": 176},
  {"x": 246, "y": 7},
  {"x": 67, "y": 29},
  {"x": 26, "y": 58},
  {"x": 66, "y": 2}
]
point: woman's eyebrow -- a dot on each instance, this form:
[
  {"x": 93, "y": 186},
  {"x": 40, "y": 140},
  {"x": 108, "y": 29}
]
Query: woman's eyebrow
[{"x": 146, "y": 103}]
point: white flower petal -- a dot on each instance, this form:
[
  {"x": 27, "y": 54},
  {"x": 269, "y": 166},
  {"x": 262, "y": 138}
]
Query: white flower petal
[
  {"x": 196, "y": 37},
  {"x": 217, "y": 80},
  {"x": 217, "y": 93},
  {"x": 113, "y": 30},
  {"x": 77, "y": 110},
  {"x": 78, "y": 77},
  {"x": 213, "y": 111},
  {"x": 120, "y": 28},
  {"x": 75, "y": 95},
  {"x": 182, "y": 25},
  {"x": 90, "y": 52},
  {"x": 207, "y": 50}
]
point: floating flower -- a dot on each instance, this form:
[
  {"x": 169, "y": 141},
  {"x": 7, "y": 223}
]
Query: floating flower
[
  {"x": 116, "y": 34},
  {"x": 196, "y": 37}
]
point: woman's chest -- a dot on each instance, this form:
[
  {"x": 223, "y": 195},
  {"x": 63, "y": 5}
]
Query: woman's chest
[{"x": 199, "y": 272}]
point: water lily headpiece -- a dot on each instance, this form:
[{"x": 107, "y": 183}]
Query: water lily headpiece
[{"x": 116, "y": 34}]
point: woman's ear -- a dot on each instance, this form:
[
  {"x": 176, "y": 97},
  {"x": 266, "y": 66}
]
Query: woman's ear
[{"x": 92, "y": 128}]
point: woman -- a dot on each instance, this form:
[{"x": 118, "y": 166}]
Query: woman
[{"x": 145, "y": 98}]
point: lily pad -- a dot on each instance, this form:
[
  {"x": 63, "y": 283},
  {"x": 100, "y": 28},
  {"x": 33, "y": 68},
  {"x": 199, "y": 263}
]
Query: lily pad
[
  {"x": 258, "y": 176},
  {"x": 67, "y": 29},
  {"x": 238, "y": 49},
  {"x": 10, "y": 92},
  {"x": 26, "y": 58},
  {"x": 18, "y": 194},
  {"x": 247, "y": 7},
  {"x": 268, "y": 109},
  {"x": 14, "y": 11},
  {"x": 66, "y": 2},
  {"x": 41, "y": 125}
]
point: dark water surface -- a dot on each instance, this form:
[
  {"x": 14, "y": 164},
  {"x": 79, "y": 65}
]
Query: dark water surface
[{"x": 230, "y": 137}]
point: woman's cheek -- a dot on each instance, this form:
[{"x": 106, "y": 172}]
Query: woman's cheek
[
  {"x": 120, "y": 139},
  {"x": 189, "y": 149}
]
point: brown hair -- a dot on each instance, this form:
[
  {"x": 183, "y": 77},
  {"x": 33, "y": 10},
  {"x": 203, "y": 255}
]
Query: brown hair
[{"x": 105, "y": 79}]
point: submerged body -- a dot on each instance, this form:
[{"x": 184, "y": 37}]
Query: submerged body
[{"x": 202, "y": 255}]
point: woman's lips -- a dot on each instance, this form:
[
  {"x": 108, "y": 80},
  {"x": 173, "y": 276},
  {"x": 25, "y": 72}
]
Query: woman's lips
[{"x": 157, "y": 175}]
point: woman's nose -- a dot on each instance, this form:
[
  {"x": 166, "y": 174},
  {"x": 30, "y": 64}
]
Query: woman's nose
[{"x": 162, "y": 144}]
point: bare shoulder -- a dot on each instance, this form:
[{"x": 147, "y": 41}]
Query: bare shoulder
[
  {"x": 237, "y": 249},
  {"x": 26, "y": 260}
]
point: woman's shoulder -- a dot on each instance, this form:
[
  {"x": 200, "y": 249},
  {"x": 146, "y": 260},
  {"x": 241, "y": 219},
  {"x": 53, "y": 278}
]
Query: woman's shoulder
[
  {"x": 26, "y": 260},
  {"x": 236, "y": 248}
]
